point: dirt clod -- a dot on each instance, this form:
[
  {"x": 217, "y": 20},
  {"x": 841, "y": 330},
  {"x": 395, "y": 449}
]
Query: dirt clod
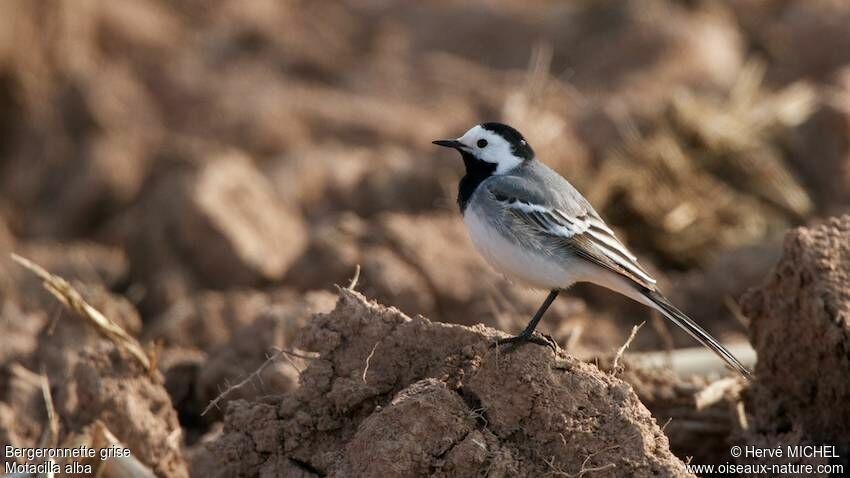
[
  {"x": 391, "y": 395},
  {"x": 232, "y": 213},
  {"x": 102, "y": 383},
  {"x": 801, "y": 330}
]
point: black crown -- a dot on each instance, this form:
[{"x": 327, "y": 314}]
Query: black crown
[{"x": 519, "y": 146}]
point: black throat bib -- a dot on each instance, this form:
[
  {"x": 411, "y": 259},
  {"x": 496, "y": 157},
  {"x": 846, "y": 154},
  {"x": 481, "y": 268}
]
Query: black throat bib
[{"x": 476, "y": 172}]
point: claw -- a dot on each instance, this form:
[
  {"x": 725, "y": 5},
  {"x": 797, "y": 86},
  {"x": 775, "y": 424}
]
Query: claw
[{"x": 516, "y": 341}]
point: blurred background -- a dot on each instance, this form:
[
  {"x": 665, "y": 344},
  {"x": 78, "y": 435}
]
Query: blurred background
[{"x": 207, "y": 171}]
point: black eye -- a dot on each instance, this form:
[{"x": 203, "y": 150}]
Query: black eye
[{"x": 482, "y": 143}]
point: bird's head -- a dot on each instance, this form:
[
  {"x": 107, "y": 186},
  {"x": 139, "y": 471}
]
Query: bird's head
[{"x": 500, "y": 146}]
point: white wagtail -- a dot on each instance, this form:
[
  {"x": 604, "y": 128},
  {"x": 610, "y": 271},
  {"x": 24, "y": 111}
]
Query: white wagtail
[{"x": 535, "y": 227}]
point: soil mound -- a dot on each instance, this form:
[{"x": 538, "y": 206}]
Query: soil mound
[
  {"x": 390, "y": 395},
  {"x": 801, "y": 330}
]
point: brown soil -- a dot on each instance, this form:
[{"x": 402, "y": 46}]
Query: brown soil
[
  {"x": 801, "y": 330},
  {"x": 826, "y": 135},
  {"x": 218, "y": 338},
  {"x": 92, "y": 380},
  {"x": 100, "y": 383},
  {"x": 248, "y": 348},
  {"x": 393, "y": 396}
]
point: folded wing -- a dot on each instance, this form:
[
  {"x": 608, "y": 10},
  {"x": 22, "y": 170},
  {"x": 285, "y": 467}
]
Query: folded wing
[{"x": 585, "y": 234}]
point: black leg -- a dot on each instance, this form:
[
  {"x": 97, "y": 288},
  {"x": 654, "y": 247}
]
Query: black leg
[{"x": 527, "y": 334}]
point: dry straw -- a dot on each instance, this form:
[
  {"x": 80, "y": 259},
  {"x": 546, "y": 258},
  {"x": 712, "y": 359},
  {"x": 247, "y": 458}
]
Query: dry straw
[{"x": 62, "y": 290}]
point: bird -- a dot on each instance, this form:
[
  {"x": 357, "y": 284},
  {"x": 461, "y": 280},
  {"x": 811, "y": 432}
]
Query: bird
[{"x": 531, "y": 225}]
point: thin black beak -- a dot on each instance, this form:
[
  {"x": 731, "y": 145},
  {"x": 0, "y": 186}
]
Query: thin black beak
[{"x": 449, "y": 143}]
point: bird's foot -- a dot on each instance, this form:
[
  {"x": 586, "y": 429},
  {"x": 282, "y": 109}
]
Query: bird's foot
[{"x": 535, "y": 338}]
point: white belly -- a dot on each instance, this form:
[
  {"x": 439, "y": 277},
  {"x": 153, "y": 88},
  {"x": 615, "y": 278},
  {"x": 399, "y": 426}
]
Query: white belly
[
  {"x": 516, "y": 263},
  {"x": 541, "y": 271}
]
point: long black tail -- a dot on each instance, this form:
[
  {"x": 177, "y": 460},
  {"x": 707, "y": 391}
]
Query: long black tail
[{"x": 695, "y": 331}]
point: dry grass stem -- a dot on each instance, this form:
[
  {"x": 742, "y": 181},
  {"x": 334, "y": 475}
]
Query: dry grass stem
[
  {"x": 623, "y": 348},
  {"x": 50, "y": 436},
  {"x": 717, "y": 391},
  {"x": 573, "y": 338},
  {"x": 256, "y": 374},
  {"x": 117, "y": 467},
  {"x": 353, "y": 283},
  {"x": 62, "y": 290},
  {"x": 735, "y": 309},
  {"x": 368, "y": 359},
  {"x": 741, "y": 414},
  {"x": 584, "y": 468},
  {"x": 291, "y": 362}
]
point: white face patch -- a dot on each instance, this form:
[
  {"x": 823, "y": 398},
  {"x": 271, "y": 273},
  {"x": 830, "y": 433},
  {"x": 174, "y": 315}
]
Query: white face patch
[{"x": 497, "y": 150}]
